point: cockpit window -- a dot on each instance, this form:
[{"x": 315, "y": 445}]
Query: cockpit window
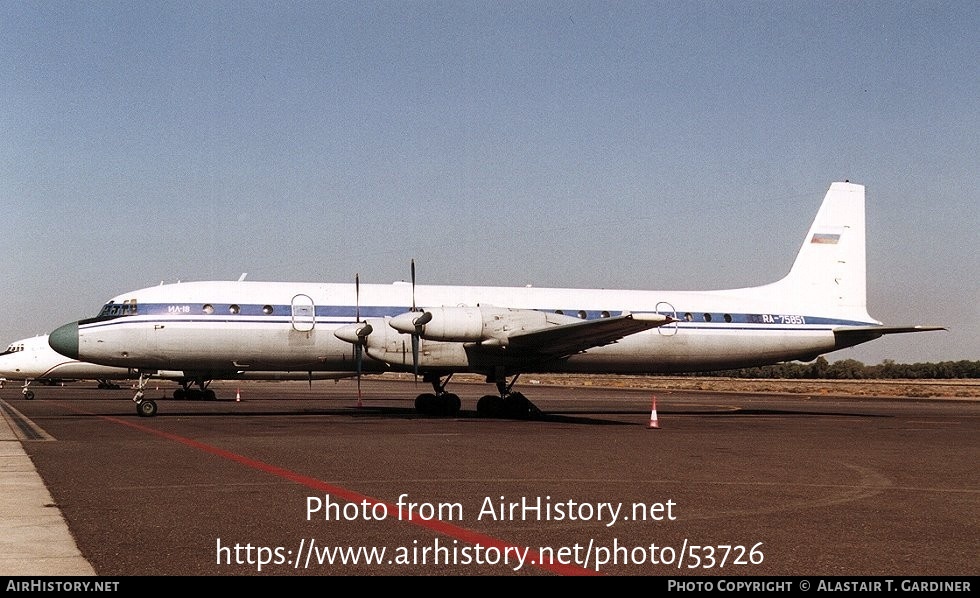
[{"x": 126, "y": 308}]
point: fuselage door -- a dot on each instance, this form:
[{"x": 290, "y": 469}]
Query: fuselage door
[
  {"x": 666, "y": 309},
  {"x": 304, "y": 313}
]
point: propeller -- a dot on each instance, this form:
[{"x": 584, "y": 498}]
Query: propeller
[
  {"x": 356, "y": 333},
  {"x": 419, "y": 323},
  {"x": 362, "y": 334}
]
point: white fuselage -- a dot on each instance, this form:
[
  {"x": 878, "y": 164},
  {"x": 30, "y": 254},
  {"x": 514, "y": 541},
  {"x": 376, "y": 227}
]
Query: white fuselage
[
  {"x": 224, "y": 326},
  {"x": 32, "y": 359}
]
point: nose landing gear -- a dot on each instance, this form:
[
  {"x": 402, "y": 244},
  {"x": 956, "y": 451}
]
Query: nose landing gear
[{"x": 144, "y": 407}]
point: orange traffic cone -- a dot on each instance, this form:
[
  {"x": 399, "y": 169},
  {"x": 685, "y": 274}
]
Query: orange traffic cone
[{"x": 654, "y": 424}]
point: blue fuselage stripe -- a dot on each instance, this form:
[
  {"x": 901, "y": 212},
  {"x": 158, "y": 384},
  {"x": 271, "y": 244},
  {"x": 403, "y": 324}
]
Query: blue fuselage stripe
[{"x": 346, "y": 314}]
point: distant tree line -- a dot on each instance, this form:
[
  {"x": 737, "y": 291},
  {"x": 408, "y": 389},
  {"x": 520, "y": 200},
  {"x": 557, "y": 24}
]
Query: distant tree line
[{"x": 852, "y": 369}]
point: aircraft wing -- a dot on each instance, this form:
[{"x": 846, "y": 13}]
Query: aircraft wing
[{"x": 568, "y": 339}]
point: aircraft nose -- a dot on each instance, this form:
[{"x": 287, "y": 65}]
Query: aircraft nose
[{"x": 64, "y": 340}]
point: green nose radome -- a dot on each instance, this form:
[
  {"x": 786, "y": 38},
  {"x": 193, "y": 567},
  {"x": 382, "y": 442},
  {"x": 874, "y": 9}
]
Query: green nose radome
[{"x": 64, "y": 340}]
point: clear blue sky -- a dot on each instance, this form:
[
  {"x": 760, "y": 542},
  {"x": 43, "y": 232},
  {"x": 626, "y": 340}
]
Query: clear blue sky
[{"x": 657, "y": 145}]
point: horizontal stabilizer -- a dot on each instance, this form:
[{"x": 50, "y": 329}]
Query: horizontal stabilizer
[{"x": 848, "y": 337}]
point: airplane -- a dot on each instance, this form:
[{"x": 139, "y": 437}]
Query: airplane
[
  {"x": 211, "y": 327},
  {"x": 33, "y": 360}
]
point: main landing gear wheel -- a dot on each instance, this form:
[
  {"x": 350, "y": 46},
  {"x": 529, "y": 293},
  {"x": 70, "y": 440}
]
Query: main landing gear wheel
[
  {"x": 490, "y": 406},
  {"x": 445, "y": 403},
  {"x": 193, "y": 394},
  {"x": 146, "y": 408},
  {"x": 439, "y": 402},
  {"x": 516, "y": 406},
  {"x": 512, "y": 406},
  {"x": 201, "y": 393},
  {"x": 508, "y": 404}
]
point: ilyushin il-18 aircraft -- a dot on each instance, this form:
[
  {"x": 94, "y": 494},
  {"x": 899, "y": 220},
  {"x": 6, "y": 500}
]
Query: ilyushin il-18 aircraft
[
  {"x": 33, "y": 360},
  {"x": 215, "y": 327}
]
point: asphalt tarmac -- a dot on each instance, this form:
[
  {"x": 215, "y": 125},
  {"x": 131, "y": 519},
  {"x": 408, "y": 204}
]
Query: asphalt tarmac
[{"x": 290, "y": 480}]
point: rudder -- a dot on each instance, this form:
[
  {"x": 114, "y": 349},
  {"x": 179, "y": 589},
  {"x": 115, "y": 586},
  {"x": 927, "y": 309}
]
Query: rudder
[{"x": 830, "y": 270}]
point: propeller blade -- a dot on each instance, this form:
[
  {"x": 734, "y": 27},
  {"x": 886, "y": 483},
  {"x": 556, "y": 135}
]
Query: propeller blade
[
  {"x": 361, "y": 334},
  {"x": 415, "y": 355},
  {"x": 419, "y": 323},
  {"x": 358, "y": 351}
]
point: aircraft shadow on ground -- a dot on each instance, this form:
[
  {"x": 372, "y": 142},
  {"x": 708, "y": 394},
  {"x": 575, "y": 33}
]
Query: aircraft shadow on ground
[{"x": 578, "y": 417}]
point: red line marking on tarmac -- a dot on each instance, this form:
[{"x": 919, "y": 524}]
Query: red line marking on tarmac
[{"x": 453, "y": 531}]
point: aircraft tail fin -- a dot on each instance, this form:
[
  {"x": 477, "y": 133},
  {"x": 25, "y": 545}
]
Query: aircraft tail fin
[{"x": 830, "y": 269}]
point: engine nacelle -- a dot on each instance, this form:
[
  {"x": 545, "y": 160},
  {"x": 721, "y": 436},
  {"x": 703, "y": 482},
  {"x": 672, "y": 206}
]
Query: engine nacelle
[
  {"x": 474, "y": 324},
  {"x": 452, "y": 324},
  {"x": 354, "y": 333}
]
